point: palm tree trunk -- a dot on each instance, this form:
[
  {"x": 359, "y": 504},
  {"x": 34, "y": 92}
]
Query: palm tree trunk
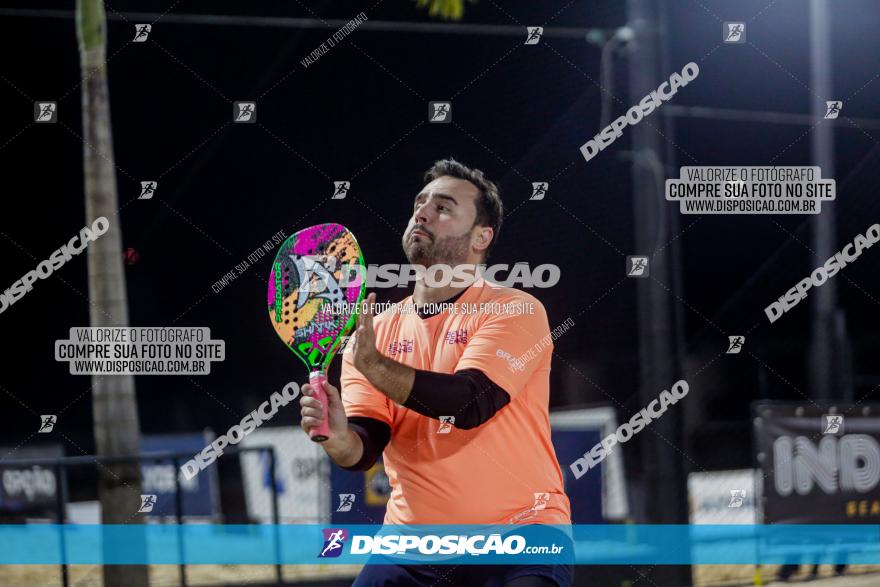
[{"x": 114, "y": 404}]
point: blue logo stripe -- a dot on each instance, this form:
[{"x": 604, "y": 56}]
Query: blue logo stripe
[{"x": 374, "y": 544}]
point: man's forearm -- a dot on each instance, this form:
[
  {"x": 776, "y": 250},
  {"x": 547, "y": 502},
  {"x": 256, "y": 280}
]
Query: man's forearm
[
  {"x": 469, "y": 395},
  {"x": 393, "y": 379},
  {"x": 345, "y": 450}
]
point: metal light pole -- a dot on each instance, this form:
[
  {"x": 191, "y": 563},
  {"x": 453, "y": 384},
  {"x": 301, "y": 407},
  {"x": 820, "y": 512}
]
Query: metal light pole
[
  {"x": 828, "y": 364},
  {"x": 664, "y": 480}
]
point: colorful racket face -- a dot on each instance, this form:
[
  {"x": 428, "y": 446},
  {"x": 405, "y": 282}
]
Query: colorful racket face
[{"x": 315, "y": 289}]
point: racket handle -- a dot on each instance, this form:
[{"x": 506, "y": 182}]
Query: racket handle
[{"x": 321, "y": 432}]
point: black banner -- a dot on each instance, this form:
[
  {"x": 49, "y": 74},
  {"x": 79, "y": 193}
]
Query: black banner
[
  {"x": 819, "y": 465},
  {"x": 28, "y": 489}
]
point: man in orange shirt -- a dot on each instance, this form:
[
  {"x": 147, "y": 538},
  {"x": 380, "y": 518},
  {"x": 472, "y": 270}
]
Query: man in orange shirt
[{"x": 460, "y": 418}]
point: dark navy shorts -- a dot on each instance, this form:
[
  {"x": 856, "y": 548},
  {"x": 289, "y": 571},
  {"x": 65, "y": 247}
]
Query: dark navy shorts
[{"x": 464, "y": 575}]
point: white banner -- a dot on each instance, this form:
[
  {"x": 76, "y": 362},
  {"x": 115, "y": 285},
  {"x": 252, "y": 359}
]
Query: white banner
[
  {"x": 724, "y": 497},
  {"x": 302, "y": 476}
]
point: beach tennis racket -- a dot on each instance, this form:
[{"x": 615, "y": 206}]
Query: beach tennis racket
[{"x": 316, "y": 287}]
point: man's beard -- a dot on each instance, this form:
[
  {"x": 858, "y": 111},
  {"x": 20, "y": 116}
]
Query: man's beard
[{"x": 449, "y": 250}]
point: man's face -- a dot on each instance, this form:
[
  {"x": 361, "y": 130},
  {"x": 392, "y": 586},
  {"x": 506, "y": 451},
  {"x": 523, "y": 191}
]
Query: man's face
[{"x": 441, "y": 227}]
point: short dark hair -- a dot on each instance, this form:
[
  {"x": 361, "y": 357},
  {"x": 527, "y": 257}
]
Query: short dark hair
[{"x": 490, "y": 209}]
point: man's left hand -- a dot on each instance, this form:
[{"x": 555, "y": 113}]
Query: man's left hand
[{"x": 365, "y": 353}]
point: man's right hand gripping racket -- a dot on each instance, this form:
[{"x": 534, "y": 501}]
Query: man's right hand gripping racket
[{"x": 316, "y": 287}]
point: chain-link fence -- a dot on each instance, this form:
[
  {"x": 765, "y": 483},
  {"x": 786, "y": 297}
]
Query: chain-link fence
[{"x": 65, "y": 490}]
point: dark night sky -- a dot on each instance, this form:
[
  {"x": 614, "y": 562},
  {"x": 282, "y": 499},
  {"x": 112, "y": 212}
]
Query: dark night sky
[{"x": 359, "y": 113}]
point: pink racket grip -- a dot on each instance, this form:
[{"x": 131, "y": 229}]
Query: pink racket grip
[{"x": 321, "y": 432}]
